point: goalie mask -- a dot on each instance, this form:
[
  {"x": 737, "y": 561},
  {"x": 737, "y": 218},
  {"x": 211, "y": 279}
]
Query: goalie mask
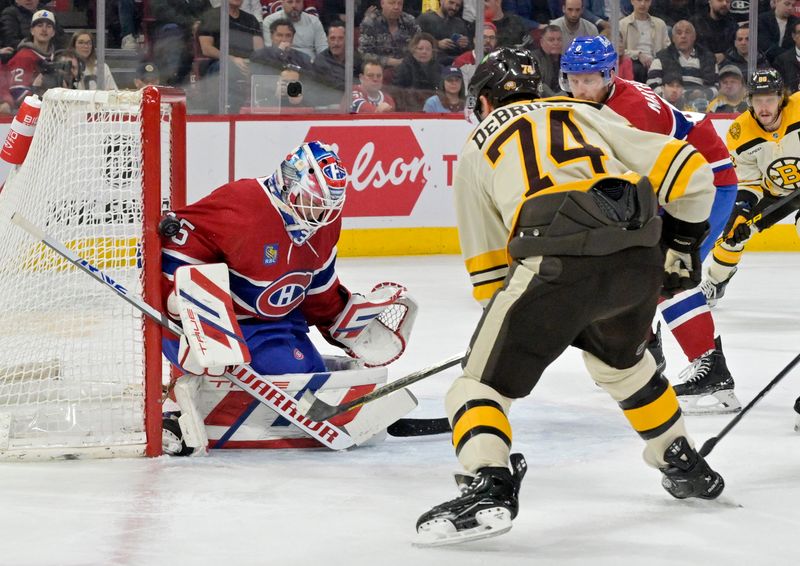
[{"x": 309, "y": 189}]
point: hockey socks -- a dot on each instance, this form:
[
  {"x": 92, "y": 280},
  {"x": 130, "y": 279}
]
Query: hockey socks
[{"x": 689, "y": 319}]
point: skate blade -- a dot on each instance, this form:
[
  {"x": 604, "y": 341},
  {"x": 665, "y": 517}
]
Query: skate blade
[
  {"x": 491, "y": 523},
  {"x": 718, "y": 403}
]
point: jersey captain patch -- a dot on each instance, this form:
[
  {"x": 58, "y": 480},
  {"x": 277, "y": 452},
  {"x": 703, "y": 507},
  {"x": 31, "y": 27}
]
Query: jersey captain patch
[{"x": 283, "y": 295}]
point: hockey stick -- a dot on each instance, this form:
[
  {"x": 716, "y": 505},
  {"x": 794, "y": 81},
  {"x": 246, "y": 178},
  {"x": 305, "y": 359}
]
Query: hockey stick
[
  {"x": 317, "y": 410},
  {"x": 419, "y": 427},
  {"x": 262, "y": 389},
  {"x": 760, "y": 215},
  {"x": 709, "y": 444}
]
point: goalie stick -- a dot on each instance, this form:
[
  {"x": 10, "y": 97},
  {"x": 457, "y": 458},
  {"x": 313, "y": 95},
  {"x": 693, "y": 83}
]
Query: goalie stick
[
  {"x": 318, "y": 410},
  {"x": 709, "y": 444},
  {"x": 262, "y": 389}
]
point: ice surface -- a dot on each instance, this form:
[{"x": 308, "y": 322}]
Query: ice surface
[{"x": 588, "y": 498}]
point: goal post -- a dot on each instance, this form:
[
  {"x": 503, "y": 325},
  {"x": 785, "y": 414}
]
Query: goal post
[{"x": 81, "y": 371}]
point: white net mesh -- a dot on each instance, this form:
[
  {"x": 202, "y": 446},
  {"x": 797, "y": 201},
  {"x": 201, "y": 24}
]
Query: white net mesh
[{"x": 71, "y": 351}]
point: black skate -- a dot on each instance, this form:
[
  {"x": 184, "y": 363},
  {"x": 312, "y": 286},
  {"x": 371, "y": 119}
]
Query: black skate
[
  {"x": 687, "y": 473},
  {"x": 172, "y": 443},
  {"x": 797, "y": 418},
  {"x": 654, "y": 346},
  {"x": 715, "y": 291},
  {"x": 707, "y": 386},
  {"x": 484, "y": 509}
]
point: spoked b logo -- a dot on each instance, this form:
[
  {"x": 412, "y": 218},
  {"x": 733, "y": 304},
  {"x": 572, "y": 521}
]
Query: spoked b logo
[{"x": 785, "y": 173}]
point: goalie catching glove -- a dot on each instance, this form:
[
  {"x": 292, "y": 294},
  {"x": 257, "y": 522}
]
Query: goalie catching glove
[
  {"x": 682, "y": 266},
  {"x": 212, "y": 339},
  {"x": 375, "y": 327}
]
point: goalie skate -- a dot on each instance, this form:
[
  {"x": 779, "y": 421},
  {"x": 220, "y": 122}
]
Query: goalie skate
[
  {"x": 707, "y": 385},
  {"x": 484, "y": 509}
]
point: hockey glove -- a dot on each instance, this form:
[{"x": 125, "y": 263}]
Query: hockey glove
[
  {"x": 375, "y": 328},
  {"x": 682, "y": 265},
  {"x": 737, "y": 229}
]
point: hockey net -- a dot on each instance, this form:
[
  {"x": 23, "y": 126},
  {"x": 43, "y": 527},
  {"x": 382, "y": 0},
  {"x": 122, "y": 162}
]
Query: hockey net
[{"x": 80, "y": 369}]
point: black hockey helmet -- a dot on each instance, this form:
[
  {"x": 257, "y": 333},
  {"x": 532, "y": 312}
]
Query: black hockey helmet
[
  {"x": 504, "y": 75},
  {"x": 766, "y": 81}
]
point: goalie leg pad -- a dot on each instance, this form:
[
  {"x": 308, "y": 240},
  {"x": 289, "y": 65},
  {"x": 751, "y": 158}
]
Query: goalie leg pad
[{"x": 193, "y": 428}]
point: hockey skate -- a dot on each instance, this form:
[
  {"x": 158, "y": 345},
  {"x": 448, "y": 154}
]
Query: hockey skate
[
  {"x": 172, "y": 443},
  {"x": 484, "y": 509},
  {"x": 714, "y": 291},
  {"x": 688, "y": 474},
  {"x": 797, "y": 416},
  {"x": 655, "y": 348},
  {"x": 707, "y": 385}
]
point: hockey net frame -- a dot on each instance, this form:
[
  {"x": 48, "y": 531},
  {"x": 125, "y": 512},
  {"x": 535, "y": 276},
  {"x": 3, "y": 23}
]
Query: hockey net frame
[{"x": 81, "y": 373}]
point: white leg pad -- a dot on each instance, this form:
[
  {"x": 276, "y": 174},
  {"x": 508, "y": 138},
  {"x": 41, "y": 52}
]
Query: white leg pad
[{"x": 191, "y": 420}]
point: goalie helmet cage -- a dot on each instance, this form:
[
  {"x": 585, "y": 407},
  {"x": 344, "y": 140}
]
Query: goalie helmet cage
[{"x": 81, "y": 370}]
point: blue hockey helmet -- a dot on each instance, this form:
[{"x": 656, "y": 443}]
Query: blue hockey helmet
[
  {"x": 588, "y": 55},
  {"x": 309, "y": 189}
]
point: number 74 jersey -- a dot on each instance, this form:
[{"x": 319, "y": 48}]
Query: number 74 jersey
[{"x": 529, "y": 149}]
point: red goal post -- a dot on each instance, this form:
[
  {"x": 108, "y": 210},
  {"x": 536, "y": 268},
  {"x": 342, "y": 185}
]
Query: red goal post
[{"x": 81, "y": 371}]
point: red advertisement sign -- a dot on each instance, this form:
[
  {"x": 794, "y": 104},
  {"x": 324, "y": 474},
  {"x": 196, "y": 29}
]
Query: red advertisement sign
[{"x": 386, "y": 166}]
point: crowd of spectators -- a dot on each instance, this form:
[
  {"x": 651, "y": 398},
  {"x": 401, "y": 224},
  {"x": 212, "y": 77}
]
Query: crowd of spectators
[{"x": 408, "y": 55}]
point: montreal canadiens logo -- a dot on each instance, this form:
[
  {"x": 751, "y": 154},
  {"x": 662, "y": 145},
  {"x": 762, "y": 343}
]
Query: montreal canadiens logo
[
  {"x": 785, "y": 172},
  {"x": 283, "y": 295}
]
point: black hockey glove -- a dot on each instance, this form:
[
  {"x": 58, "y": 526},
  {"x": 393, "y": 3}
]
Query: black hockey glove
[
  {"x": 682, "y": 266},
  {"x": 737, "y": 230}
]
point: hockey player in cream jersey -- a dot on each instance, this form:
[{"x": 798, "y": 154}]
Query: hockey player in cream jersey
[
  {"x": 765, "y": 148},
  {"x": 556, "y": 204}
]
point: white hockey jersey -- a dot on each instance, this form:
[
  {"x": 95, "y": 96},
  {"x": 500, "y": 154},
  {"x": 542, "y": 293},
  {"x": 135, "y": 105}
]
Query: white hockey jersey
[{"x": 529, "y": 149}]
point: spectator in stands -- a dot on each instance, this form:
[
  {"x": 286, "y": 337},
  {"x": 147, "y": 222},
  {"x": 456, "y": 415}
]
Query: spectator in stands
[
  {"x": 281, "y": 51},
  {"x": 732, "y": 97},
  {"x": 737, "y": 55},
  {"x": 65, "y": 71},
  {"x": 386, "y": 33},
  {"x": 450, "y": 31},
  {"x": 418, "y": 75},
  {"x": 595, "y": 12},
  {"x": 775, "y": 29},
  {"x": 715, "y": 28},
  {"x": 548, "y": 56},
  {"x": 146, "y": 74},
  {"x": 788, "y": 62},
  {"x": 672, "y": 11},
  {"x": 244, "y": 37},
  {"x": 15, "y": 23},
  {"x": 740, "y": 9},
  {"x": 368, "y": 97},
  {"x": 82, "y": 43},
  {"x": 126, "y": 13},
  {"x": 466, "y": 61},
  {"x": 289, "y": 88},
  {"x": 673, "y": 91},
  {"x": 643, "y": 36},
  {"x": 33, "y": 56},
  {"x": 532, "y": 12},
  {"x": 511, "y": 29},
  {"x": 572, "y": 24},
  {"x": 252, "y": 7},
  {"x": 328, "y": 66},
  {"x": 450, "y": 95},
  {"x": 176, "y": 22},
  {"x": 694, "y": 63},
  {"x": 309, "y": 35}
]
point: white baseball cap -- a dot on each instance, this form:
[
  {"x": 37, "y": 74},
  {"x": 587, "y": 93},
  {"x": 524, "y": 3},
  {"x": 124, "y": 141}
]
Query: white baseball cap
[{"x": 45, "y": 15}]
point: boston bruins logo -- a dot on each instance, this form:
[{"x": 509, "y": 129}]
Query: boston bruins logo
[{"x": 785, "y": 172}]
